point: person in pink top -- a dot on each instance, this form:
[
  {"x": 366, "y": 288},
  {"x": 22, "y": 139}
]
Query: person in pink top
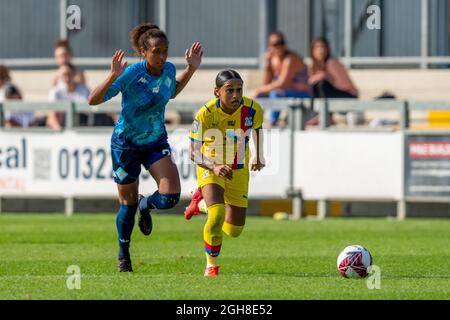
[
  {"x": 327, "y": 76},
  {"x": 285, "y": 73}
]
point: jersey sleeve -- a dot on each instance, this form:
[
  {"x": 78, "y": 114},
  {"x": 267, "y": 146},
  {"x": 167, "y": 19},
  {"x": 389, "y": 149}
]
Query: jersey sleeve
[
  {"x": 258, "y": 119},
  {"x": 199, "y": 126},
  {"x": 120, "y": 84},
  {"x": 172, "y": 75}
]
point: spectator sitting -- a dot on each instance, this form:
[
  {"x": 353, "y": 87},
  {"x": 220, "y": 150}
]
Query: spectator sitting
[
  {"x": 63, "y": 55},
  {"x": 67, "y": 89},
  {"x": 8, "y": 91},
  {"x": 327, "y": 76},
  {"x": 285, "y": 74}
]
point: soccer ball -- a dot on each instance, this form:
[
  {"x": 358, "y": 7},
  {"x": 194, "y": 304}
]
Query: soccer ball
[
  {"x": 354, "y": 262},
  {"x": 280, "y": 215}
]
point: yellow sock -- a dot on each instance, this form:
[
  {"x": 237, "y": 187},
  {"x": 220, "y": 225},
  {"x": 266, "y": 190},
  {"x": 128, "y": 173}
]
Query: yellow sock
[
  {"x": 212, "y": 232},
  {"x": 232, "y": 230}
]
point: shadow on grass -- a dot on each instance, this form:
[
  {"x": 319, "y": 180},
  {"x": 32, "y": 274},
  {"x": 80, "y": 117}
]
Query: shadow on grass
[{"x": 299, "y": 274}]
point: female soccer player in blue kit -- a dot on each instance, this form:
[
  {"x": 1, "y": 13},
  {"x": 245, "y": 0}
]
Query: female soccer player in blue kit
[{"x": 140, "y": 137}]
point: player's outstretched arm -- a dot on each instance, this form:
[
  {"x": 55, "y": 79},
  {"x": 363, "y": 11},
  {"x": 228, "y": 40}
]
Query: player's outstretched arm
[
  {"x": 193, "y": 57},
  {"x": 258, "y": 161},
  {"x": 97, "y": 95}
]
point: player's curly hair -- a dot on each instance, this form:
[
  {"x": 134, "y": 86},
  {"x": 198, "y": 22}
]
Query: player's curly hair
[{"x": 142, "y": 33}]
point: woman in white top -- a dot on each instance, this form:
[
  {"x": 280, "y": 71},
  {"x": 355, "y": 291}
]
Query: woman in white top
[{"x": 67, "y": 89}]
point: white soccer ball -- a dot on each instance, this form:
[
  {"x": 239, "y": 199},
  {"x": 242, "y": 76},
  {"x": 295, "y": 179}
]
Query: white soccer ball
[{"x": 354, "y": 262}]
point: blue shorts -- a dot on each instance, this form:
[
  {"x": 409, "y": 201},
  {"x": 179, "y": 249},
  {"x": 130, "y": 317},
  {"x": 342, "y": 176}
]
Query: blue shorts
[{"x": 127, "y": 162}]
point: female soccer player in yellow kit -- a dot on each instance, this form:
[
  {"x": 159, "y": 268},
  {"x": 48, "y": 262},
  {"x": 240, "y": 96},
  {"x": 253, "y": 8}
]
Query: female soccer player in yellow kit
[{"x": 219, "y": 146}]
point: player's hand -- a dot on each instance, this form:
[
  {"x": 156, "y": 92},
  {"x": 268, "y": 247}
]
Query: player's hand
[
  {"x": 319, "y": 76},
  {"x": 193, "y": 55},
  {"x": 257, "y": 165},
  {"x": 223, "y": 171},
  {"x": 117, "y": 67}
]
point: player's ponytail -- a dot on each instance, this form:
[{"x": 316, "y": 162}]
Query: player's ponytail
[
  {"x": 226, "y": 75},
  {"x": 142, "y": 33}
]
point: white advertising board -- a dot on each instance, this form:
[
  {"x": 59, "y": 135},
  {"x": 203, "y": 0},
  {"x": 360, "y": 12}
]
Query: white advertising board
[
  {"x": 77, "y": 164},
  {"x": 356, "y": 165}
]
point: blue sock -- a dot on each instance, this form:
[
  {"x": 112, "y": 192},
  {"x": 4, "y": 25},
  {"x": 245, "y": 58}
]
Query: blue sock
[
  {"x": 125, "y": 224},
  {"x": 159, "y": 201}
]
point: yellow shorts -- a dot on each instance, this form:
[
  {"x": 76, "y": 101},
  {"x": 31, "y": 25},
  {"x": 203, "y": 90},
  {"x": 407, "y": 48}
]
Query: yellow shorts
[{"x": 236, "y": 189}]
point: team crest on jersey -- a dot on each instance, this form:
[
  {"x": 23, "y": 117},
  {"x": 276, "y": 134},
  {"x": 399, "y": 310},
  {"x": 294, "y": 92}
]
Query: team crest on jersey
[
  {"x": 205, "y": 174},
  {"x": 232, "y": 123},
  {"x": 155, "y": 90},
  {"x": 248, "y": 121}
]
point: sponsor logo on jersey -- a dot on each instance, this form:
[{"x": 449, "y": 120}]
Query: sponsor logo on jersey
[{"x": 142, "y": 80}]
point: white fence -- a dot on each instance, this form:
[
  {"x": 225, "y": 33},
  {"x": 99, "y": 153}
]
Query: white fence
[
  {"x": 323, "y": 165},
  {"x": 75, "y": 164}
]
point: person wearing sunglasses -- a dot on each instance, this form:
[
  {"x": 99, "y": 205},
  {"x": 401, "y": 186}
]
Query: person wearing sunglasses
[{"x": 285, "y": 73}]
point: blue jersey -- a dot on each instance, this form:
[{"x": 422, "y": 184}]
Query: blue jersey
[{"x": 144, "y": 99}]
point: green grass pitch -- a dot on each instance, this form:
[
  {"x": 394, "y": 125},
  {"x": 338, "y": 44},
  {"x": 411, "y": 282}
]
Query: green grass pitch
[{"x": 271, "y": 260}]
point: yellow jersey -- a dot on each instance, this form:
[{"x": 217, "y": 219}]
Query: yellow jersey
[{"x": 224, "y": 137}]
